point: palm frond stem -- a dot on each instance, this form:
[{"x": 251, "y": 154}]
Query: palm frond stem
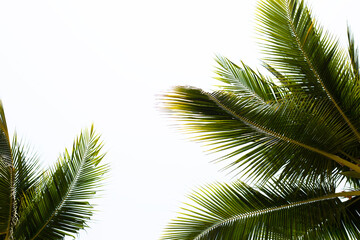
[{"x": 350, "y": 157}]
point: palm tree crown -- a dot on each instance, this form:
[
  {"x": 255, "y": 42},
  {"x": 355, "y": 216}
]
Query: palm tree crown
[
  {"x": 293, "y": 134},
  {"x": 51, "y": 204}
]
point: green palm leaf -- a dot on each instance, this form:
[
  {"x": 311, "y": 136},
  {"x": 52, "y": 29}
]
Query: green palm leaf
[
  {"x": 312, "y": 61},
  {"x": 299, "y": 128},
  {"x": 7, "y": 180},
  {"x": 269, "y": 138},
  {"x": 26, "y": 165},
  {"x": 354, "y": 55},
  {"x": 59, "y": 206},
  {"x": 48, "y": 205},
  {"x": 238, "y": 211},
  {"x": 5, "y": 193}
]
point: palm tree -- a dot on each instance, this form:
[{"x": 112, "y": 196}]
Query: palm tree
[
  {"x": 51, "y": 204},
  {"x": 292, "y": 136}
]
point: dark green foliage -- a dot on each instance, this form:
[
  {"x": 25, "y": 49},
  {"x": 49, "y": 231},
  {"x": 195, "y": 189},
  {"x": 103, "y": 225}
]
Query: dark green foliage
[
  {"x": 51, "y": 204},
  {"x": 294, "y": 137}
]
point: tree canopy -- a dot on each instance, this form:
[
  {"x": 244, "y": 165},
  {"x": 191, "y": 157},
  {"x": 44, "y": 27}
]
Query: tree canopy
[{"x": 291, "y": 136}]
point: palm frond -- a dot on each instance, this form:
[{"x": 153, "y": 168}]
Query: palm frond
[
  {"x": 238, "y": 211},
  {"x": 8, "y": 213},
  {"x": 60, "y": 205},
  {"x": 299, "y": 138},
  {"x": 300, "y": 128},
  {"x": 5, "y": 193},
  {"x": 310, "y": 59}
]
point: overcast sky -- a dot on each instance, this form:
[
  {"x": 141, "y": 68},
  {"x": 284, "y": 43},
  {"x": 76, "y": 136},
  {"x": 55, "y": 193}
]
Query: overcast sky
[{"x": 67, "y": 64}]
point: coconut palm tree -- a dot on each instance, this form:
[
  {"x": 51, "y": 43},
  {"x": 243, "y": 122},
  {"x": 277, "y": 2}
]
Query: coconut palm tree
[
  {"x": 49, "y": 204},
  {"x": 291, "y": 137}
]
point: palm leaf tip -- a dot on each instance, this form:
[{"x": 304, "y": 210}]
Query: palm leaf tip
[
  {"x": 353, "y": 54},
  {"x": 246, "y": 82}
]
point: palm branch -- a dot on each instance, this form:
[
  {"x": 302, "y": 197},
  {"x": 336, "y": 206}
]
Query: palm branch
[
  {"x": 54, "y": 203},
  {"x": 298, "y": 127},
  {"x": 273, "y": 211}
]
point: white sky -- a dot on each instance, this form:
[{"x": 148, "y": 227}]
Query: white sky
[{"x": 67, "y": 64}]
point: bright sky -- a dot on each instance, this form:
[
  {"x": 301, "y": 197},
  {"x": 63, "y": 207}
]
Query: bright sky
[{"x": 67, "y": 64}]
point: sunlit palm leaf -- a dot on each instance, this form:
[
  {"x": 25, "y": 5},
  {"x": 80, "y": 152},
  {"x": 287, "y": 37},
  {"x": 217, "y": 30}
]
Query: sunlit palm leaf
[
  {"x": 238, "y": 211},
  {"x": 300, "y": 127},
  {"x": 60, "y": 205},
  {"x": 300, "y": 137}
]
